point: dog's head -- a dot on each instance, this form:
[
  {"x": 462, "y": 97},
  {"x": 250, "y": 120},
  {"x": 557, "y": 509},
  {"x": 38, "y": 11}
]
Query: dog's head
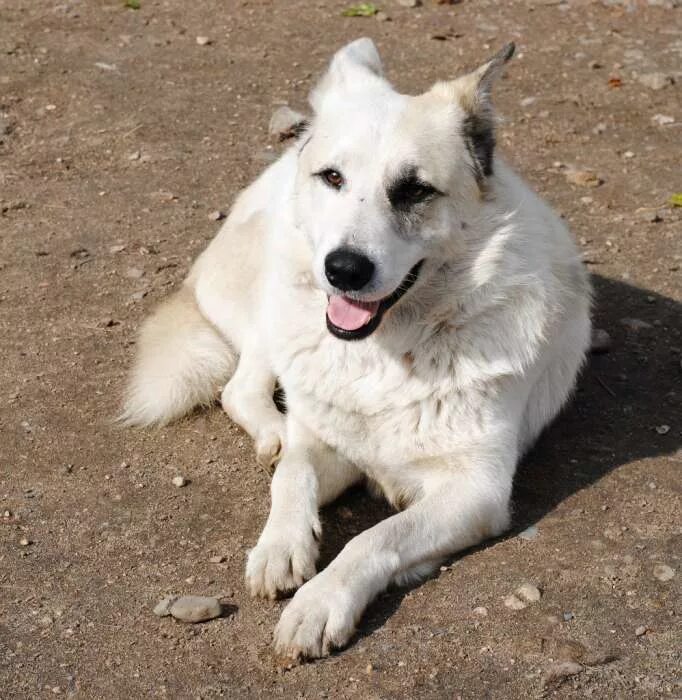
[{"x": 385, "y": 180}]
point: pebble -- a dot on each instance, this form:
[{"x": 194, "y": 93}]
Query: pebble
[
  {"x": 530, "y": 533},
  {"x": 285, "y": 123},
  {"x": 514, "y": 603},
  {"x": 203, "y": 41},
  {"x": 640, "y": 631},
  {"x": 25, "y": 542},
  {"x": 382, "y": 17},
  {"x": 663, "y": 572},
  {"x": 219, "y": 559},
  {"x": 481, "y": 611},
  {"x": 196, "y": 608},
  {"x": 368, "y": 669},
  {"x": 655, "y": 81},
  {"x": 117, "y": 248},
  {"x": 410, "y": 3},
  {"x": 163, "y": 607},
  {"x": 529, "y": 593},
  {"x": 583, "y": 178},
  {"x": 216, "y": 215},
  {"x": 635, "y": 324},
  {"x": 568, "y": 616},
  {"x": 601, "y": 341},
  {"x": 134, "y": 273},
  {"x": 652, "y": 216},
  {"x": 662, "y": 119},
  {"x": 179, "y": 481},
  {"x": 662, "y": 429}
]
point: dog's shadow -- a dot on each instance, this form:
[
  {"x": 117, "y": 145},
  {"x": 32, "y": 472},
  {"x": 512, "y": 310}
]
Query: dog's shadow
[{"x": 620, "y": 413}]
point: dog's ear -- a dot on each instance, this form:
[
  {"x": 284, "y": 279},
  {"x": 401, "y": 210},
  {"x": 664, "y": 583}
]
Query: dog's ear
[
  {"x": 473, "y": 93},
  {"x": 351, "y": 64}
]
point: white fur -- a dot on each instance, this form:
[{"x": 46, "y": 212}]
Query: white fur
[{"x": 435, "y": 407}]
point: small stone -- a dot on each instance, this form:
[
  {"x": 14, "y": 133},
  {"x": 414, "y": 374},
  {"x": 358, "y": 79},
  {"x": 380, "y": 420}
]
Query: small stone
[
  {"x": 218, "y": 559},
  {"x": 513, "y": 603},
  {"x": 368, "y": 669},
  {"x": 655, "y": 81},
  {"x": 662, "y": 429},
  {"x": 601, "y": 341},
  {"x": 635, "y": 324},
  {"x": 568, "y": 616},
  {"x": 179, "y": 481},
  {"x": 583, "y": 178},
  {"x": 527, "y": 101},
  {"x": 135, "y": 155},
  {"x": 481, "y": 611},
  {"x": 382, "y": 17},
  {"x": 663, "y": 572},
  {"x": 530, "y": 533},
  {"x": 662, "y": 119},
  {"x": 195, "y": 608},
  {"x": 117, "y": 248},
  {"x": 162, "y": 608},
  {"x": 529, "y": 593},
  {"x": 410, "y": 3},
  {"x": 203, "y": 41},
  {"x": 285, "y": 123},
  {"x": 216, "y": 215},
  {"x": 25, "y": 542},
  {"x": 629, "y": 154},
  {"x": 640, "y": 631},
  {"x": 134, "y": 273}
]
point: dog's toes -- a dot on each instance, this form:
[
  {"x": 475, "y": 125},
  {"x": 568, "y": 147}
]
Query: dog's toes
[
  {"x": 268, "y": 449},
  {"x": 317, "y": 620},
  {"x": 281, "y": 562}
]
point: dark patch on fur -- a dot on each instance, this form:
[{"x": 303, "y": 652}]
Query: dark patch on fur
[
  {"x": 407, "y": 190},
  {"x": 479, "y": 137}
]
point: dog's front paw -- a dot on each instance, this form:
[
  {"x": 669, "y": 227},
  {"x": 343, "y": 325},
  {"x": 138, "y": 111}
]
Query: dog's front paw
[
  {"x": 283, "y": 559},
  {"x": 269, "y": 444},
  {"x": 321, "y": 617}
]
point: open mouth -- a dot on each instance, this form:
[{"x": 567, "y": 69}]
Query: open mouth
[{"x": 352, "y": 319}]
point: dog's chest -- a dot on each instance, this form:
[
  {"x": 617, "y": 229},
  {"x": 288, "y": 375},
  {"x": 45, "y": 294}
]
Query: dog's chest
[{"x": 372, "y": 405}]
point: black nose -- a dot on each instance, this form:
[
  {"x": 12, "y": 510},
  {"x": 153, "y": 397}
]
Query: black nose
[{"x": 348, "y": 270}]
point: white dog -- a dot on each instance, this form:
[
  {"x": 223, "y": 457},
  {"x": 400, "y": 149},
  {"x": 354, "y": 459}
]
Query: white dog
[{"x": 424, "y": 311}]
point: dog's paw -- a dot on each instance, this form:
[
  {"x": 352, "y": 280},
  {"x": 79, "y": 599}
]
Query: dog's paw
[
  {"x": 283, "y": 559},
  {"x": 269, "y": 444},
  {"x": 319, "y": 618}
]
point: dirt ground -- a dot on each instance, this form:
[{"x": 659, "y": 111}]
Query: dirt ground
[{"x": 119, "y": 135}]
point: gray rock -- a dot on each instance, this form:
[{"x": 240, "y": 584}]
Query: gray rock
[
  {"x": 163, "y": 607},
  {"x": 530, "y": 533},
  {"x": 196, "y": 608},
  {"x": 529, "y": 593},
  {"x": 285, "y": 123},
  {"x": 410, "y": 3},
  {"x": 663, "y": 572}
]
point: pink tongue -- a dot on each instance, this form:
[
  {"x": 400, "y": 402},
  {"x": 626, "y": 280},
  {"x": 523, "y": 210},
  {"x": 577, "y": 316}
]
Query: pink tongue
[{"x": 350, "y": 314}]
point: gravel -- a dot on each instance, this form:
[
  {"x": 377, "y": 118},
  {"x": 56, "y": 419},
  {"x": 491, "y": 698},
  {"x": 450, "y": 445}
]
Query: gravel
[{"x": 179, "y": 481}]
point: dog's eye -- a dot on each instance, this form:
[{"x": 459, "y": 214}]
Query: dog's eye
[
  {"x": 406, "y": 193},
  {"x": 332, "y": 177}
]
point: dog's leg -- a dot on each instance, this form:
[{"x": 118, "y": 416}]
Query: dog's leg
[
  {"x": 464, "y": 505},
  {"x": 309, "y": 475},
  {"x": 248, "y": 401}
]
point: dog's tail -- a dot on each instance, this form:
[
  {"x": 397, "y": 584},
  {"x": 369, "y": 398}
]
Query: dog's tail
[{"x": 182, "y": 362}]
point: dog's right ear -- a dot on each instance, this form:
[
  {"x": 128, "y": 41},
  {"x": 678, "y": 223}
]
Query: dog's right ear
[{"x": 351, "y": 64}]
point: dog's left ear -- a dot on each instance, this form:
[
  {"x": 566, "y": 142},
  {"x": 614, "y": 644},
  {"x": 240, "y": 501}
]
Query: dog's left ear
[
  {"x": 350, "y": 65},
  {"x": 473, "y": 93}
]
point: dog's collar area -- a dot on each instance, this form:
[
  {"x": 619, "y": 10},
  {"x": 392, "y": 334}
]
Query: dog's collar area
[{"x": 385, "y": 304}]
